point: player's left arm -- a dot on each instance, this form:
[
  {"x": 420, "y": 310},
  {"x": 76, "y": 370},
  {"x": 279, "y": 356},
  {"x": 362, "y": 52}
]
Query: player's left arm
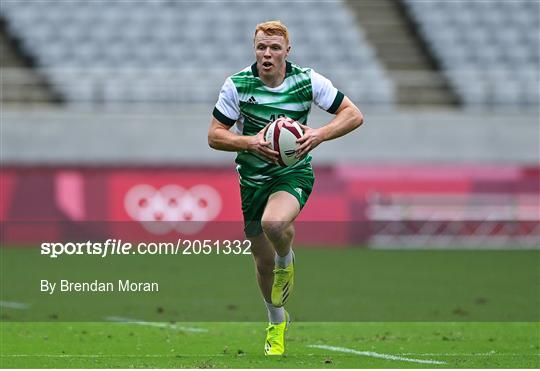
[{"x": 348, "y": 117}]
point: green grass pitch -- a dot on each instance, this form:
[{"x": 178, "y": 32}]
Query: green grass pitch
[
  {"x": 239, "y": 345},
  {"x": 352, "y": 308}
]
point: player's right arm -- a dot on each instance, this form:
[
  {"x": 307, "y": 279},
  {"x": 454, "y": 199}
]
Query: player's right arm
[
  {"x": 226, "y": 113},
  {"x": 221, "y": 138}
]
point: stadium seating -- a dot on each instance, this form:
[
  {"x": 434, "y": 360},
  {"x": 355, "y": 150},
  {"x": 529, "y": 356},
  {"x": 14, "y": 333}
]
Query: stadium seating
[
  {"x": 489, "y": 50},
  {"x": 172, "y": 51}
]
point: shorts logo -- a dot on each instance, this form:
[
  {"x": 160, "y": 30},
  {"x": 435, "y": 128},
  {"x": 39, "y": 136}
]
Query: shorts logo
[
  {"x": 299, "y": 191},
  {"x": 172, "y": 207}
]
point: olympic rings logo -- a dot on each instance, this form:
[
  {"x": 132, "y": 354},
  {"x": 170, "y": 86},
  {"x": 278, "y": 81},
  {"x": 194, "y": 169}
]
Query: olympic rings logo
[{"x": 172, "y": 207}]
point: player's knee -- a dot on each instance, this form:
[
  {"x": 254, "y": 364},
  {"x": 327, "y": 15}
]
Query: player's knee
[{"x": 274, "y": 229}]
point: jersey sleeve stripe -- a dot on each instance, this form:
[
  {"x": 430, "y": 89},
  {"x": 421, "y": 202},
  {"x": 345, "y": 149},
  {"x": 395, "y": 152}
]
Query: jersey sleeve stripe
[
  {"x": 337, "y": 102},
  {"x": 222, "y": 118}
]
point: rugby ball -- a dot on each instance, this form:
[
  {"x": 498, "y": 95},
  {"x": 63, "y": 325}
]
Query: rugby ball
[{"x": 282, "y": 135}]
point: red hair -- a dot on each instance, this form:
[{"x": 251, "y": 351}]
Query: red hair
[{"x": 272, "y": 28}]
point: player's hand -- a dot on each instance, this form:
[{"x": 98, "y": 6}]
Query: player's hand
[
  {"x": 260, "y": 146},
  {"x": 311, "y": 139}
]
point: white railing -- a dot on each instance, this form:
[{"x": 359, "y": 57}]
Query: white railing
[{"x": 470, "y": 220}]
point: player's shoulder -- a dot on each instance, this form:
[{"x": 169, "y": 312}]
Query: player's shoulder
[
  {"x": 243, "y": 78},
  {"x": 295, "y": 69},
  {"x": 246, "y": 72},
  {"x": 306, "y": 73}
]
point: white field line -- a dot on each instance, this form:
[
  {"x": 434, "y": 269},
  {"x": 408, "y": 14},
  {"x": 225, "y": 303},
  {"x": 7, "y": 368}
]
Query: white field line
[
  {"x": 491, "y": 354},
  {"x": 171, "y": 326},
  {"x": 14, "y": 305},
  {"x": 377, "y": 355}
]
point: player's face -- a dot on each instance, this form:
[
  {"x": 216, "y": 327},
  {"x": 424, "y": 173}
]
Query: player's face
[{"x": 271, "y": 52}]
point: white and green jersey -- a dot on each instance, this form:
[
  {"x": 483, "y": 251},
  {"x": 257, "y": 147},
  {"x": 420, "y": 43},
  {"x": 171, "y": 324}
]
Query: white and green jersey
[{"x": 249, "y": 105}]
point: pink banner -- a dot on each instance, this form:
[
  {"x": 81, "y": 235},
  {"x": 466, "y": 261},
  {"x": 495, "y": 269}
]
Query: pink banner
[{"x": 166, "y": 201}]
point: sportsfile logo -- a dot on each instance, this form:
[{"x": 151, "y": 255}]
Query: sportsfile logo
[{"x": 172, "y": 207}]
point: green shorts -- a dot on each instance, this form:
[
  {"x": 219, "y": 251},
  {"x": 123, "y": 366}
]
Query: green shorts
[{"x": 254, "y": 199}]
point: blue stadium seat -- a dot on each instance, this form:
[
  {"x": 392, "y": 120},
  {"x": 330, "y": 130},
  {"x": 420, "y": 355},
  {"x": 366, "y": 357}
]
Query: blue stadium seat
[
  {"x": 184, "y": 36},
  {"x": 481, "y": 45}
]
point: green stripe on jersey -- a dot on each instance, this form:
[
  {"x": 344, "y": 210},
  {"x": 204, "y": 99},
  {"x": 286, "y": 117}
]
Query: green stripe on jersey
[{"x": 260, "y": 105}]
